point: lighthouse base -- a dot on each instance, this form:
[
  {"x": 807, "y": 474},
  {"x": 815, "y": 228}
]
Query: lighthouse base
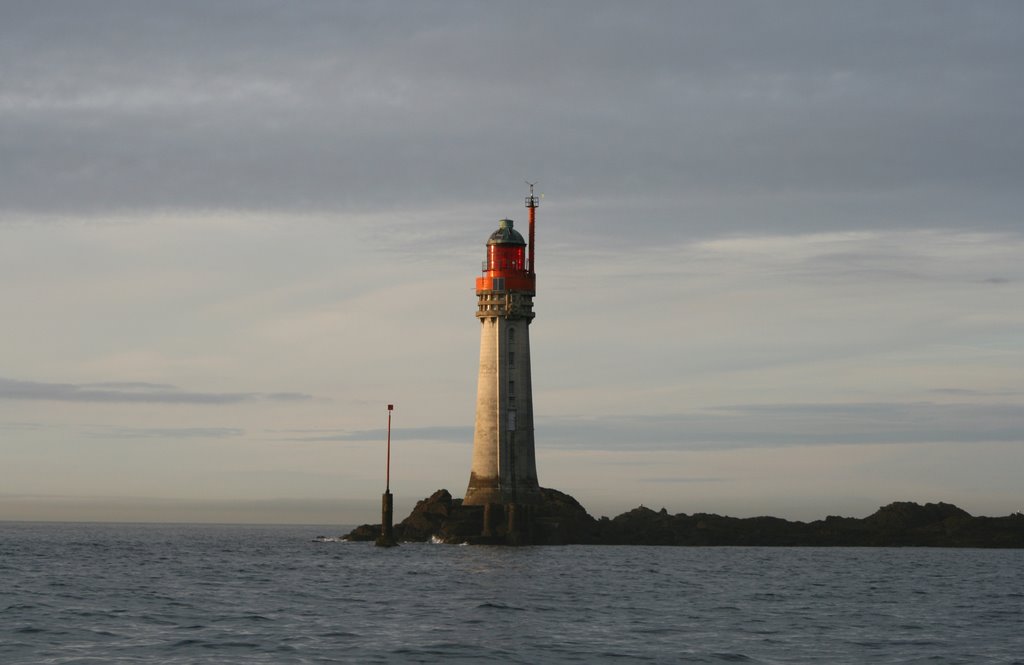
[{"x": 485, "y": 491}]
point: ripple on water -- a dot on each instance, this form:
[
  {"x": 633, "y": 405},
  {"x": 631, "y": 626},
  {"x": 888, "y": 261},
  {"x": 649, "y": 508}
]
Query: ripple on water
[{"x": 180, "y": 594}]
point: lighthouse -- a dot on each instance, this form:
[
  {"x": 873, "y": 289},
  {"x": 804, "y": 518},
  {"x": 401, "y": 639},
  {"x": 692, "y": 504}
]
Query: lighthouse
[{"x": 504, "y": 470}]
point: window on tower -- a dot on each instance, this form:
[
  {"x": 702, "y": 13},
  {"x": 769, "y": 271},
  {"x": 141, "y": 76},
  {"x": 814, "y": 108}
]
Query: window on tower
[{"x": 511, "y": 358}]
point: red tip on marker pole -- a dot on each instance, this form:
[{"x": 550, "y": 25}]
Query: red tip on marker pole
[{"x": 391, "y": 407}]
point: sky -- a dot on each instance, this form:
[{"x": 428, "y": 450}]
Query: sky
[{"x": 780, "y": 253}]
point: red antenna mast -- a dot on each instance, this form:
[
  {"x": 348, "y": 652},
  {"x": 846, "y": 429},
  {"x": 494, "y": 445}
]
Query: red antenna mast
[{"x": 531, "y": 204}]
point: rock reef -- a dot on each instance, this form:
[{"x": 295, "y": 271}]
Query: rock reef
[{"x": 561, "y": 520}]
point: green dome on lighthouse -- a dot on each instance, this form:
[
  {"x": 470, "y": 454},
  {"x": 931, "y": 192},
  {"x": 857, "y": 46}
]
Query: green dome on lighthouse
[{"x": 506, "y": 235}]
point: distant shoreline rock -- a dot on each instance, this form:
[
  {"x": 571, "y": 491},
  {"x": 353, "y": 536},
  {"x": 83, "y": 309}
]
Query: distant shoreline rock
[{"x": 561, "y": 520}]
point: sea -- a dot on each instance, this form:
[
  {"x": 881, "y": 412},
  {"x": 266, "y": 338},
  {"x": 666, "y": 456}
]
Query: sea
[{"x": 158, "y": 593}]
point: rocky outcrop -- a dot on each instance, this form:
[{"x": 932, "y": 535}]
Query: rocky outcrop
[
  {"x": 561, "y": 520},
  {"x": 558, "y": 520}
]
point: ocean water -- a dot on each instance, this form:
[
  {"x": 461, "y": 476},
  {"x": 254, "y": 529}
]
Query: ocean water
[{"x": 114, "y": 593}]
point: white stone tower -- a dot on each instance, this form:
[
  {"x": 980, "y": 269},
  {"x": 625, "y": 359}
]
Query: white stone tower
[{"x": 504, "y": 470}]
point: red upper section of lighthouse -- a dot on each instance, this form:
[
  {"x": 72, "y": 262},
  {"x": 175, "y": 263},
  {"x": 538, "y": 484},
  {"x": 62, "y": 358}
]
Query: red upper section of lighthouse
[{"x": 505, "y": 268}]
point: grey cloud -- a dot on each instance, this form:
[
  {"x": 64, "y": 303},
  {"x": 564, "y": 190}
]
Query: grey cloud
[
  {"x": 286, "y": 397},
  {"x": 804, "y": 116},
  {"x": 167, "y": 433},
  {"x": 303, "y": 431},
  {"x": 442, "y": 433},
  {"x": 755, "y": 426},
  {"x": 142, "y": 393},
  {"x": 877, "y": 263},
  {"x": 748, "y": 426},
  {"x": 975, "y": 393},
  {"x": 129, "y": 385},
  {"x": 905, "y": 257},
  {"x": 682, "y": 480},
  {"x": 23, "y": 427}
]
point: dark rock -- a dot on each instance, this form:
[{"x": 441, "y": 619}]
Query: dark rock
[
  {"x": 903, "y": 515},
  {"x": 427, "y": 518},
  {"x": 364, "y": 532},
  {"x": 560, "y": 520}
]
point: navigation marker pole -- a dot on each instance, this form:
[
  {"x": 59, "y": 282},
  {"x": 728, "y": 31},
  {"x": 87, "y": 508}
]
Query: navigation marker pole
[{"x": 387, "y": 537}]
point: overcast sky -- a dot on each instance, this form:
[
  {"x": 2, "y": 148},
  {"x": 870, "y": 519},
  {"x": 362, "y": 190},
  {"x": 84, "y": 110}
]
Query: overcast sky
[{"x": 780, "y": 253}]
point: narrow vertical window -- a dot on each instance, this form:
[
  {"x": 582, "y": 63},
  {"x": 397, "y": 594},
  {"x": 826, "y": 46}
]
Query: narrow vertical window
[
  {"x": 511, "y": 359},
  {"x": 511, "y": 389},
  {"x": 511, "y": 335}
]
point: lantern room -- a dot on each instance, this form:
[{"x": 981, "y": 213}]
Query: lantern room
[{"x": 505, "y": 268}]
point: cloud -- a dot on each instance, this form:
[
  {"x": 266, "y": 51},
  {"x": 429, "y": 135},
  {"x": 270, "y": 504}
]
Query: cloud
[
  {"x": 784, "y": 425},
  {"x": 682, "y": 480},
  {"x": 691, "y": 115},
  {"x": 440, "y": 433},
  {"x": 23, "y": 426},
  {"x": 747, "y": 426},
  {"x": 130, "y": 393},
  {"x": 967, "y": 392},
  {"x": 166, "y": 433},
  {"x": 129, "y": 386}
]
